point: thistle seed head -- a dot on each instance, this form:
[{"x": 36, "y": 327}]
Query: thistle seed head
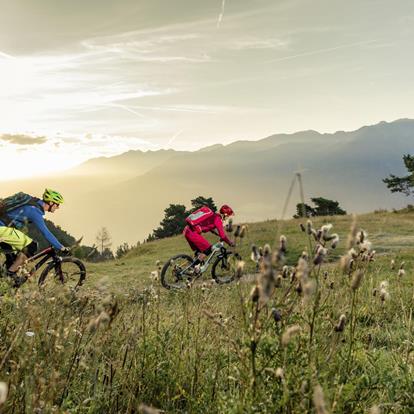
[
  {"x": 357, "y": 279},
  {"x": 384, "y": 295},
  {"x": 340, "y": 326},
  {"x": 237, "y": 232},
  {"x": 401, "y": 272},
  {"x": 255, "y": 256},
  {"x": 290, "y": 333},
  {"x": 309, "y": 227},
  {"x": 243, "y": 231},
  {"x": 229, "y": 226},
  {"x": 4, "y": 390},
  {"x": 392, "y": 264},
  {"x": 319, "y": 400}
]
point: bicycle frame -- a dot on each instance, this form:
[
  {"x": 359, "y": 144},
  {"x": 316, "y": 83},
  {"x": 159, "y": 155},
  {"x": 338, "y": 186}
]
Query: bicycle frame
[
  {"x": 222, "y": 251},
  {"x": 48, "y": 253}
]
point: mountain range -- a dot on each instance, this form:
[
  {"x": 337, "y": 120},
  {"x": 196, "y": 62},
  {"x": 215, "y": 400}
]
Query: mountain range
[{"x": 128, "y": 193}]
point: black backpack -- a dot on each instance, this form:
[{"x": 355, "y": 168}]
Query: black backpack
[{"x": 13, "y": 202}]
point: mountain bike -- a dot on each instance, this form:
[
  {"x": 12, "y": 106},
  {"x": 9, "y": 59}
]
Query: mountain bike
[
  {"x": 182, "y": 269},
  {"x": 58, "y": 270}
]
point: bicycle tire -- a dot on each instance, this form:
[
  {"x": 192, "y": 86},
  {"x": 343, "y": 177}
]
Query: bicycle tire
[
  {"x": 79, "y": 276},
  {"x": 228, "y": 267},
  {"x": 179, "y": 284}
]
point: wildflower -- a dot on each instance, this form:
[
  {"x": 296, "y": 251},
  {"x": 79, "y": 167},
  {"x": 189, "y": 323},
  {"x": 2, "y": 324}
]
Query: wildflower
[
  {"x": 267, "y": 250},
  {"x": 4, "y": 390},
  {"x": 229, "y": 226},
  {"x": 360, "y": 237},
  {"x": 401, "y": 272},
  {"x": 357, "y": 279},
  {"x": 321, "y": 253},
  {"x": 243, "y": 232},
  {"x": 239, "y": 269},
  {"x": 280, "y": 373},
  {"x": 375, "y": 410},
  {"x": 384, "y": 284},
  {"x": 290, "y": 332},
  {"x": 341, "y": 324},
  {"x": 278, "y": 281},
  {"x": 309, "y": 227},
  {"x": 319, "y": 400},
  {"x": 255, "y": 294},
  {"x": 146, "y": 409},
  {"x": 237, "y": 232},
  {"x": 255, "y": 256},
  {"x": 325, "y": 229},
  {"x": 384, "y": 295},
  {"x": 283, "y": 244}
]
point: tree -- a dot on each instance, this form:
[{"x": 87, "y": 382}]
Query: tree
[
  {"x": 173, "y": 222},
  {"x": 304, "y": 210},
  {"x": 201, "y": 201},
  {"x": 122, "y": 250},
  {"x": 324, "y": 207},
  {"x": 405, "y": 184},
  {"x": 103, "y": 240}
]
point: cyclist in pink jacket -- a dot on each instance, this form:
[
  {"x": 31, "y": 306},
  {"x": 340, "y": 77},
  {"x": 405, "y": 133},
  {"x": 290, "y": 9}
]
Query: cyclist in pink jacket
[{"x": 205, "y": 220}]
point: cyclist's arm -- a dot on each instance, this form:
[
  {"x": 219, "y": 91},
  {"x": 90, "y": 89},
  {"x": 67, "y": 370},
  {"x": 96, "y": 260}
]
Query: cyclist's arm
[
  {"x": 38, "y": 220},
  {"x": 220, "y": 230}
]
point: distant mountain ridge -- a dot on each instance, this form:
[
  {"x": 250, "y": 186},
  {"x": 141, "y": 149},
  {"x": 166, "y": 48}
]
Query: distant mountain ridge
[{"x": 129, "y": 192}]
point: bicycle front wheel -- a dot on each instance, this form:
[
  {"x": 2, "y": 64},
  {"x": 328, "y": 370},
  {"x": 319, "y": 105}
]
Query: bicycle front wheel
[
  {"x": 177, "y": 272},
  {"x": 69, "y": 271},
  {"x": 224, "y": 269}
]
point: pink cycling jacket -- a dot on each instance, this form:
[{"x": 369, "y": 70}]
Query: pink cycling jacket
[{"x": 214, "y": 223}]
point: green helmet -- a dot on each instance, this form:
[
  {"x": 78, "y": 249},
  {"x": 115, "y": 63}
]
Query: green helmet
[{"x": 51, "y": 196}]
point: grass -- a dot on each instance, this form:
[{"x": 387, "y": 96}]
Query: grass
[{"x": 265, "y": 345}]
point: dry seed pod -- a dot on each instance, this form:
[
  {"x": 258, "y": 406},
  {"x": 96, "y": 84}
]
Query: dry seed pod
[
  {"x": 243, "y": 232},
  {"x": 290, "y": 332},
  {"x": 302, "y": 227},
  {"x": 340, "y": 326},
  {"x": 357, "y": 279},
  {"x": 237, "y": 232},
  {"x": 319, "y": 400}
]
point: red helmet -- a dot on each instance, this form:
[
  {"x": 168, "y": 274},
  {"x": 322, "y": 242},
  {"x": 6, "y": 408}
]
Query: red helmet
[{"x": 226, "y": 210}]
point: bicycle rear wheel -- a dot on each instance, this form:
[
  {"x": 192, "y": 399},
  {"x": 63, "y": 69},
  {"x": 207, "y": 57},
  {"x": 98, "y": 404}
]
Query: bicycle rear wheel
[
  {"x": 69, "y": 271},
  {"x": 225, "y": 267},
  {"x": 177, "y": 272}
]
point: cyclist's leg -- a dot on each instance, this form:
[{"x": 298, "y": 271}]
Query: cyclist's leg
[
  {"x": 21, "y": 244},
  {"x": 197, "y": 242}
]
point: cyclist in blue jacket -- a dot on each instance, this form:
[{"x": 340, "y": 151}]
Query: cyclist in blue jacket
[{"x": 11, "y": 238}]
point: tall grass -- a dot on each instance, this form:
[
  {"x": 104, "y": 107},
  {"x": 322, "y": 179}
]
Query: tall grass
[{"x": 304, "y": 335}]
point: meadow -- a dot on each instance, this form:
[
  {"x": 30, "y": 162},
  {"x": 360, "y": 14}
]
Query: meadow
[{"x": 316, "y": 330}]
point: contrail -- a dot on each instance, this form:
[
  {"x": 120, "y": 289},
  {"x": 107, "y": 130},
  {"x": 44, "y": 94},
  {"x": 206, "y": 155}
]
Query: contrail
[
  {"x": 320, "y": 51},
  {"x": 126, "y": 108},
  {"x": 220, "y": 18},
  {"x": 6, "y": 56},
  {"x": 173, "y": 138}
]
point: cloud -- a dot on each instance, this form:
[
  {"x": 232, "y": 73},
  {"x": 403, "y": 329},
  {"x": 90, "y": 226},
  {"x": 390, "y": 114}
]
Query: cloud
[{"x": 20, "y": 139}]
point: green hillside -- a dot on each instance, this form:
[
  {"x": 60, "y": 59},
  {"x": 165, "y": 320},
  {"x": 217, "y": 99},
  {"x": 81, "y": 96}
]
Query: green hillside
[
  {"x": 318, "y": 341},
  {"x": 389, "y": 233}
]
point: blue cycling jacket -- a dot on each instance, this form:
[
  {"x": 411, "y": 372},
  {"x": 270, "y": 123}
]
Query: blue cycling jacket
[{"x": 34, "y": 215}]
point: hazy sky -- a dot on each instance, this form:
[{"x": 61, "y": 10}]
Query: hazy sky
[{"x": 83, "y": 78}]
